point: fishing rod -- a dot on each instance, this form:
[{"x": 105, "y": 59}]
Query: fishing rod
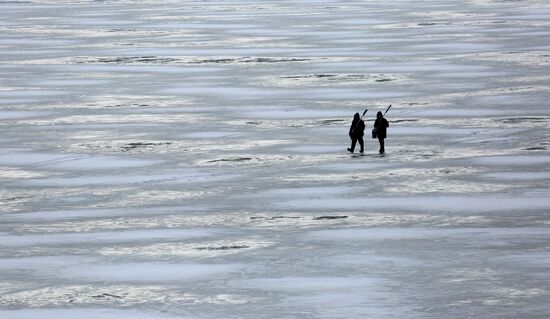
[{"x": 365, "y": 112}]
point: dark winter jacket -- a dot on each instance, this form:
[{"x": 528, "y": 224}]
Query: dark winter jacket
[
  {"x": 381, "y": 124},
  {"x": 357, "y": 128}
]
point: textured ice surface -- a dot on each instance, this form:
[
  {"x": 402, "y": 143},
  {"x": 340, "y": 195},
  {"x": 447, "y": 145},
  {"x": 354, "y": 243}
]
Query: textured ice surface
[{"x": 188, "y": 159}]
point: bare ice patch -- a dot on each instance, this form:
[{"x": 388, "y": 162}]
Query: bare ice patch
[
  {"x": 81, "y": 313},
  {"x": 355, "y": 167},
  {"x": 294, "y": 113},
  {"x": 430, "y": 130},
  {"x": 222, "y": 92},
  {"x": 369, "y": 260},
  {"x": 68, "y": 161},
  {"x": 102, "y": 238},
  {"x": 16, "y": 115},
  {"x": 513, "y": 160},
  {"x": 330, "y": 296},
  {"x": 20, "y": 93},
  {"x": 458, "y": 112},
  {"x": 307, "y": 191},
  {"x": 150, "y": 272},
  {"x": 83, "y": 214},
  {"x": 70, "y": 82},
  {"x": 311, "y": 284},
  {"x": 480, "y": 234},
  {"x": 211, "y": 134},
  {"x": 533, "y": 260},
  {"x": 445, "y": 203},
  {"x": 321, "y": 149},
  {"x": 177, "y": 177},
  {"x": 87, "y": 269},
  {"x": 517, "y": 176}
]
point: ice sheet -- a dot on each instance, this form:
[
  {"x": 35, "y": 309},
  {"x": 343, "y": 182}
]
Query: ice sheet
[{"x": 188, "y": 160}]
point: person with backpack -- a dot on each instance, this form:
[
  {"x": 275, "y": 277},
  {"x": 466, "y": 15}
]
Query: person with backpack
[
  {"x": 379, "y": 131},
  {"x": 356, "y": 132}
]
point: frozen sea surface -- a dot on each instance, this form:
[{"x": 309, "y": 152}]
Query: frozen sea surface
[{"x": 169, "y": 159}]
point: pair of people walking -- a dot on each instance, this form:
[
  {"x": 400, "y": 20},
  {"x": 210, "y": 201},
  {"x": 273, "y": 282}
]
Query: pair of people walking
[{"x": 357, "y": 131}]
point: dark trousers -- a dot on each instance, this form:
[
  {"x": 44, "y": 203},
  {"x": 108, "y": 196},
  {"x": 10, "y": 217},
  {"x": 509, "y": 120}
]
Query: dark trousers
[
  {"x": 381, "y": 141},
  {"x": 354, "y": 140}
]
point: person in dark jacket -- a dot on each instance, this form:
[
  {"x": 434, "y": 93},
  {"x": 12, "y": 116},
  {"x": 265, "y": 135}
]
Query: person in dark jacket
[
  {"x": 380, "y": 126},
  {"x": 356, "y": 132}
]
